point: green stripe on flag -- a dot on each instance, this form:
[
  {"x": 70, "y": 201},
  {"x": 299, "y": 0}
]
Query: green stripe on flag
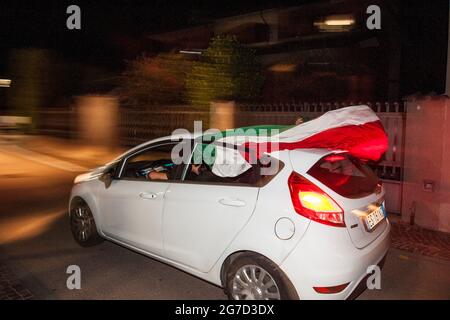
[
  {"x": 250, "y": 131},
  {"x": 207, "y": 153}
]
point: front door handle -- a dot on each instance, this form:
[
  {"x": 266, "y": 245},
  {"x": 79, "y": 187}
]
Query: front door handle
[
  {"x": 232, "y": 202},
  {"x": 148, "y": 195}
]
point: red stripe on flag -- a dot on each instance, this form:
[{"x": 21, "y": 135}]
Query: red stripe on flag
[{"x": 367, "y": 141}]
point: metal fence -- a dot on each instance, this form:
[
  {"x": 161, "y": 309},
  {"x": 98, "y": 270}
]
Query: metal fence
[
  {"x": 60, "y": 122},
  {"x": 392, "y": 115},
  {"x": 137, "y": 125}
]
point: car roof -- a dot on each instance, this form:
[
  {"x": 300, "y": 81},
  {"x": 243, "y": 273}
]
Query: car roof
[
  {"x": 174, "y": 137},
  {"x": 236, "y": 132}
]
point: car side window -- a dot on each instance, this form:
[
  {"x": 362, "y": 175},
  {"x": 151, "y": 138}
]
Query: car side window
[
  {"x": 257, "y": 175},
  {"x": 154, "y": 163},
  {"x": 114, "y": 169}
]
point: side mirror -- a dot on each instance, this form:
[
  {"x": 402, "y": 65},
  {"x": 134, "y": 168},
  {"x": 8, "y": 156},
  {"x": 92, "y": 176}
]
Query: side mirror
[{"x": 107, "y": 177}]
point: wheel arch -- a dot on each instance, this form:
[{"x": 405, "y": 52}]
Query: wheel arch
[
  {"x": 232, "y": 257},
  {"x": 76, "y": 199},
  {"x": 248, "y": 253},
  {"x": 92, "y": 204}
]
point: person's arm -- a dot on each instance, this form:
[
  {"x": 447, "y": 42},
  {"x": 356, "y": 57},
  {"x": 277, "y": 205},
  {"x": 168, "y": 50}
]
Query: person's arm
[
  {"x": 157, "y": 176},
  {"x": 196, "y": 168}
]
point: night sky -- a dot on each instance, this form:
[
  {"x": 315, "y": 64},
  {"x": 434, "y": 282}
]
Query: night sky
[
  {"x": 106, "y": 24},
  {"x": 114, "y": 31}
]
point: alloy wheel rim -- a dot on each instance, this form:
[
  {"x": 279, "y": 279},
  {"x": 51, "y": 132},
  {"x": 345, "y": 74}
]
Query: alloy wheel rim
[
  {"x": 252, "y": 282},
  {"x": 81, "y": 223}
]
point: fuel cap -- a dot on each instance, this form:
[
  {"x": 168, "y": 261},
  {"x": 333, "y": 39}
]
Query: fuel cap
[{"x": 284, "y": 228}]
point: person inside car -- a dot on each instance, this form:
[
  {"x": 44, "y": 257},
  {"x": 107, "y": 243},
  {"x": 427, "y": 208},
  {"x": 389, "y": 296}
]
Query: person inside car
[{"x": 172, "y": 173}]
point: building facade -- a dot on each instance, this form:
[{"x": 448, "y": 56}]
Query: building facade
[{"x": 325, "y": 51}]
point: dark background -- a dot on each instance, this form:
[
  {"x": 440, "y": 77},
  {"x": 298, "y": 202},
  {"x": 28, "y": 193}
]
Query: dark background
[
  {"x": 114, "y": 32},
  {"x": 107, "y": 25}
]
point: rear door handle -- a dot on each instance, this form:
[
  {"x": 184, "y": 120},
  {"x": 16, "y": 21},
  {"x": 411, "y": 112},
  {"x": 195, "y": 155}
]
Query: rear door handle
[
  {"x": 148, "y": 195},
  {"x": 232, "y": 202}
]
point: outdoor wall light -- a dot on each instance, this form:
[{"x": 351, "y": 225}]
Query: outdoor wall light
[
  {"x": 6, "y": 83},
  {"x": 335, "y": 23},
  {"x": 283, "y": 67},
  {"x": 191, "y": 51}
]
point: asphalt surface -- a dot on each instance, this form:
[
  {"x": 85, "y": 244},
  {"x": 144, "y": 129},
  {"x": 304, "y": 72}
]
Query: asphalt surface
[{"x": 36, "y": 244}]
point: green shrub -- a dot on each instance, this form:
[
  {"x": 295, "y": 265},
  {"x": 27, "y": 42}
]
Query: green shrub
[
  {"x": 227, "y": 70},
  {"x": 156, "y": 80}
]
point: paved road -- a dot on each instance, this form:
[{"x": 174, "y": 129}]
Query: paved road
[{"x": 35, "y": 242}]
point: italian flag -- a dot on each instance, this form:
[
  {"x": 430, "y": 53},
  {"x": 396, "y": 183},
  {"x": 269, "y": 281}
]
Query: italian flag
[{"x": 355, "y": 129}]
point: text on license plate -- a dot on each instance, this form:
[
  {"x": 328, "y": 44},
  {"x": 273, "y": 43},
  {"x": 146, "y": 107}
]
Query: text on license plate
[{"x": 373, "y": 218}]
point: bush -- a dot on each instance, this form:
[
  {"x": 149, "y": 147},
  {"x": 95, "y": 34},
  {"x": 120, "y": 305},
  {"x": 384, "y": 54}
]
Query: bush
[
  {"x": 156, "y": 80},
  {"x": 227, "y": 70}
]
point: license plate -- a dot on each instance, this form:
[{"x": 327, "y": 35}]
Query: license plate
[{"x": 375, "y": 217}]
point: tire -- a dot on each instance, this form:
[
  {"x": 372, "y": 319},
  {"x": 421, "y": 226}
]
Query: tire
[
  {"x": 258, "y": 283},
  {"x": 82, "y": 224}
]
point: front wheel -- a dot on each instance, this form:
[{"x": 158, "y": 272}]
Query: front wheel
[
  {"x": 83, "y": 225},
  {"x": 254, "y": 277}
]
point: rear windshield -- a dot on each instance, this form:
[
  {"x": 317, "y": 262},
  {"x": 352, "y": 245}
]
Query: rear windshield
[{"x": 345, "y": 175}]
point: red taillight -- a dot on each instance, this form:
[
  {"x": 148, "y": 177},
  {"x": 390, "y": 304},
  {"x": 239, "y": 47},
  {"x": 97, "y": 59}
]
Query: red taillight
[
  {"x": 311, "y": 202},
  {"x": 330, "y": 290}
]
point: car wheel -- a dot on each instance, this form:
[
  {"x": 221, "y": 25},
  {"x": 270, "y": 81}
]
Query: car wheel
[
  {"x": 83, "y": 225},
  {"x": 254, "y": 277}
]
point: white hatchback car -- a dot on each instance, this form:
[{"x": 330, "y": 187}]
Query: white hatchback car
[{"x": 309, "y": 230}]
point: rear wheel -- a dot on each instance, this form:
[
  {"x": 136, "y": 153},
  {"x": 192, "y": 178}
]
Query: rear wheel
[
  {"x": 83, "y": 225},
  {"x": 254, "y": 277}
]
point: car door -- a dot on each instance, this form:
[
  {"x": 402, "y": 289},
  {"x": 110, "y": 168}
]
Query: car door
[
  {"x": 201, "y": 219},
  {"x": 131, "y": 207}
]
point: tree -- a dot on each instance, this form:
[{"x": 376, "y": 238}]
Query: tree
[
  {"x": 227, "y": 70},
  {"x": 33, "y": 73},
  {"x": 156, "y": 80}
]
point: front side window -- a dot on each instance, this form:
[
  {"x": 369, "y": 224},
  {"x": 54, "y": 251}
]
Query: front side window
[{"x": 155, "y": 163}]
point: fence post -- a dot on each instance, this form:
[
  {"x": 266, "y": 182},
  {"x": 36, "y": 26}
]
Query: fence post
[
  {"x": 98, "y": 120},
  {"x": 222, "y": 115},
  {"x": 426, "y": 190}
]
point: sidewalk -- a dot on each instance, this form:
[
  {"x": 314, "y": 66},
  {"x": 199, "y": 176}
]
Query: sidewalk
[
  {"x": 11, "y": 288},
  {"x": 419, "y": 240},
  {"x": 51, "y": 149},
  {"x": 65, "y": 149}
]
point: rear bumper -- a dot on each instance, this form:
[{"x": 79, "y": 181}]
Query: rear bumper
[
  {"x": 362, "y": 285},
  {"x": 326, "y": 257}
]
